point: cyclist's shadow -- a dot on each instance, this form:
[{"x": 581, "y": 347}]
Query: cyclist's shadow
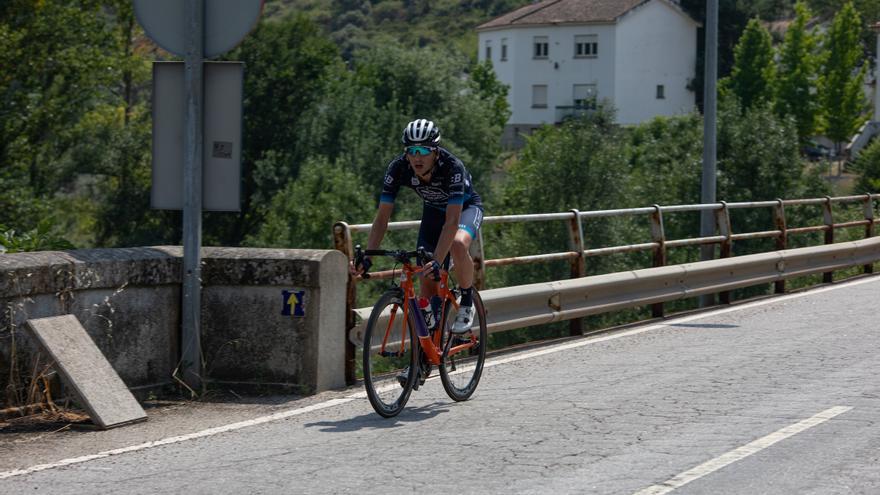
[{"x": 374, "y": 421}]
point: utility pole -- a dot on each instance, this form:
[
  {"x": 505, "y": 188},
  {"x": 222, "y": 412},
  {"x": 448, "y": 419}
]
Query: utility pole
[{"x": 710, "y": 114}]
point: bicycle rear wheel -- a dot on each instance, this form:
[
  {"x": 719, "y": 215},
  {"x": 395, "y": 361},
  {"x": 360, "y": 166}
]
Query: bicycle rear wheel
[
  {"x": 389, "y": 351},
  {"x": 463, "y": 355}
]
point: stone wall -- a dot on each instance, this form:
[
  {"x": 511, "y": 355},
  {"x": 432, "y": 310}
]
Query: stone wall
[{"x": 129, "y": 302}]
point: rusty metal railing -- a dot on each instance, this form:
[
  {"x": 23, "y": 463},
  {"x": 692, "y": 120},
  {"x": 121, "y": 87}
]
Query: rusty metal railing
[{"x": 658, "y": 244}]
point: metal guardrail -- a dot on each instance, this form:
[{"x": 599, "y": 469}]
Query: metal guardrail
[
  {"x": 549, "y": 302},
  {"x": 718, "y": 276}
]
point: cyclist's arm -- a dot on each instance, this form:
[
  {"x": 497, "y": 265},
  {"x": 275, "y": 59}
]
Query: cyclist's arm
[
  {"x": 450, "y": 227},
  {"x": 380, "y": 225}
]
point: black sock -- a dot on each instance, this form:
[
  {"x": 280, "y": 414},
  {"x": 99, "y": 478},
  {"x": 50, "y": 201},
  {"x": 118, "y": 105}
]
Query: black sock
[{"x": 467, "y": 296}]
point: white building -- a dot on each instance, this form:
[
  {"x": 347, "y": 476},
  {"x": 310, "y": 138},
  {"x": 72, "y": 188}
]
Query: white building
[{"x": 560, "y": 57}]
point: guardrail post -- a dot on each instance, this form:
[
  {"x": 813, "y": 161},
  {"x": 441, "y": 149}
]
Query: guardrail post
[
  {"x": 782, "y": 239},
  {"x": 828, "y": 277},
  {"x": 578, "y": 265},
  {"x": 869, "y": 228},
  {"x": 342, "y": 242},
  {"x": 658, "y": 237},
  {"x": 479, "y": 257},
  {"x": 722, "y": 220}
]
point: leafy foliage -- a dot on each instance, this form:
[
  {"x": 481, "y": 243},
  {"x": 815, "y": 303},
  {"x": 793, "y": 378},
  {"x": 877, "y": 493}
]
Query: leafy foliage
[
  {"x": 302, "y": 214},
  {"x": 55, "y": 66},
  {"x": 843, "y": 100},
  {"x": 753, "y": 68},
  {"x": 575, "y": 165},
  {"x": 868, "y": 167},
  {"x": 797, "y": 73},
  {"x": 41, "y": 238}
]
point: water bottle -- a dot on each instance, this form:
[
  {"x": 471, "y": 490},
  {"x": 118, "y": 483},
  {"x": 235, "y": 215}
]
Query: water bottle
[{"x": 427, "y": 312}]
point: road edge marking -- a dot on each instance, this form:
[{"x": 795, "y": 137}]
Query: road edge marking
[
  {"x": 177, "y": 439},
  {"x": 741, "y": 453}
]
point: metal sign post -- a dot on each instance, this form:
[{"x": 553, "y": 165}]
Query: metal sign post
[
  {"x": 191, "y": 350},
  {"x": 195, "y": 29}
]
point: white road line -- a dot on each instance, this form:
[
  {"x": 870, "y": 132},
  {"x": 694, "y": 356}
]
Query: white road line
[
  {"x": 178, "y": 439},
  {"x": 742, "y": 452},
  {"x": 489, "y": 363}
]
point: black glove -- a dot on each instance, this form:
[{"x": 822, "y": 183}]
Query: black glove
[
  {"x": 434, "y": 267},
  {"x": 366, "y": 263}
]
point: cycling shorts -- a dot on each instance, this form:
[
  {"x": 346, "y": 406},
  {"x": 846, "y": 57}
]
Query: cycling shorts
[{"x": 432, "y": 225}]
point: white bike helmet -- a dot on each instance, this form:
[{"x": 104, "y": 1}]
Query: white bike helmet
[{"x": 421, "y": 132}]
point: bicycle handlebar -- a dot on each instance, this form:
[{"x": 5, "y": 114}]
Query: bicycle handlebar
[{"x": 399, "y": 255}]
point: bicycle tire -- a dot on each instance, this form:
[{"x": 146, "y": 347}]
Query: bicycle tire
[
  {"x": 384, "y": 390},
  {"x": 461, "y": 372}
]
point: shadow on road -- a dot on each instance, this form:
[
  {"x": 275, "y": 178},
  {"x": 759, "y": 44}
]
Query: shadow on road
[{"x": 374, "y": 421}]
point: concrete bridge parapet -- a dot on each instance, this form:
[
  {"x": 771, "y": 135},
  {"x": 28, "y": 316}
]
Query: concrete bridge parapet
[{"x": 269, "y": 316}]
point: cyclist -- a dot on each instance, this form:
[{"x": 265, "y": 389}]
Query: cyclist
[{"x": 451, "y": 214}]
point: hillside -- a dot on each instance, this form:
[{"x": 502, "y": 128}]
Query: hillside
[
  {"x": 356, "y": 24},
  {"x": 451, "y": 24}
]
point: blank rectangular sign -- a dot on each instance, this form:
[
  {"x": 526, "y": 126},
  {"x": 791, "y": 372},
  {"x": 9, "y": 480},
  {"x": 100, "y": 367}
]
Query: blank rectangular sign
[{"x": 221, "y": 173}]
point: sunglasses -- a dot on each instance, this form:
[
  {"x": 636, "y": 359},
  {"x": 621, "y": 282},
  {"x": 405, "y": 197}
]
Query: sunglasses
[{"x": 418, "y": 150}]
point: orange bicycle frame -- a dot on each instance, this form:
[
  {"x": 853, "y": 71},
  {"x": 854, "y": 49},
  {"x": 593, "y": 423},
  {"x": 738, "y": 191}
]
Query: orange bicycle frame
[{"x": 430, "y": 342}]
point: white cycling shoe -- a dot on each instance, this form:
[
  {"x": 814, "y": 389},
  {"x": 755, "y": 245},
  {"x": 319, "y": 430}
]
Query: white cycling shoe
[{"x": 464, "y": 321}]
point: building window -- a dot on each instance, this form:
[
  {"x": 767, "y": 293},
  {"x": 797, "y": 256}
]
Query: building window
[
  {"x": 584, "y": 96},
  {"x": 586, "y": 46},
  {"x": 542, "y": 46},
  {"x": 503, "y": 49},
  {"x": 539, "y": 96},
  {"x": 661, "y": 92},
  {"x": 488, "y": 50}
]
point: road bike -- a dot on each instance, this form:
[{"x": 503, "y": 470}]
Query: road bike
[{"x": 400, "y": 350}]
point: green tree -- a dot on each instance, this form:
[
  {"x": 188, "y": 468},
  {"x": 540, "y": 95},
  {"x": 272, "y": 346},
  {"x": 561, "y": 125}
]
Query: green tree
[
  {"x": 579, "y": 164},
  {"x": 359, "y": 119},
  {"x": 869, "y": 10},
  {"x": 843, "y": 75},
  {"x": 867, "y": 165},
  {"x": 797, "y": 74},
  {"x": 665, "y": 160},
  {"x": 303, "y": 213},
  {"x": 751, "y": 79},
  {"x": 758, "y": 156},
  {"x": 488, "y": 87},
  {"x": 56, "y": 67},
  {"x": 114, "y": 147},
  {"x": 289, "y": 63},
  {"x": 666, "y": 155}
]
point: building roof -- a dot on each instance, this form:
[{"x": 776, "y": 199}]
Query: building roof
[{"x": 566, "y": 12}]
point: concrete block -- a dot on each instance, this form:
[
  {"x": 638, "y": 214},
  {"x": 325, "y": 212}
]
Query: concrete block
[{"x": 85, "y": 369}]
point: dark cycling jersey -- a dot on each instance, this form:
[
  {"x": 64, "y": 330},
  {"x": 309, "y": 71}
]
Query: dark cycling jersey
[{"x": 450, "y": 182}]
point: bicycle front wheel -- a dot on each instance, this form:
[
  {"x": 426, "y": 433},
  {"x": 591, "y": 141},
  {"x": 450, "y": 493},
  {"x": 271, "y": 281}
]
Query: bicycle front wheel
[
  {"x": 465, "y": 354},
  {"x": 389, "y": 352}
]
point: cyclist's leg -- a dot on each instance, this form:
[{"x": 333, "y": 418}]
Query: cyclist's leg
[
  {"x": 429, "y": 234},
  {"x": 469, "y": 226}
]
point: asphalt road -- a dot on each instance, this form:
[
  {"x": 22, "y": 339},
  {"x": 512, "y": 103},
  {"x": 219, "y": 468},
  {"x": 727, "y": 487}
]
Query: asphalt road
[{"x": 779, "y": 396}]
